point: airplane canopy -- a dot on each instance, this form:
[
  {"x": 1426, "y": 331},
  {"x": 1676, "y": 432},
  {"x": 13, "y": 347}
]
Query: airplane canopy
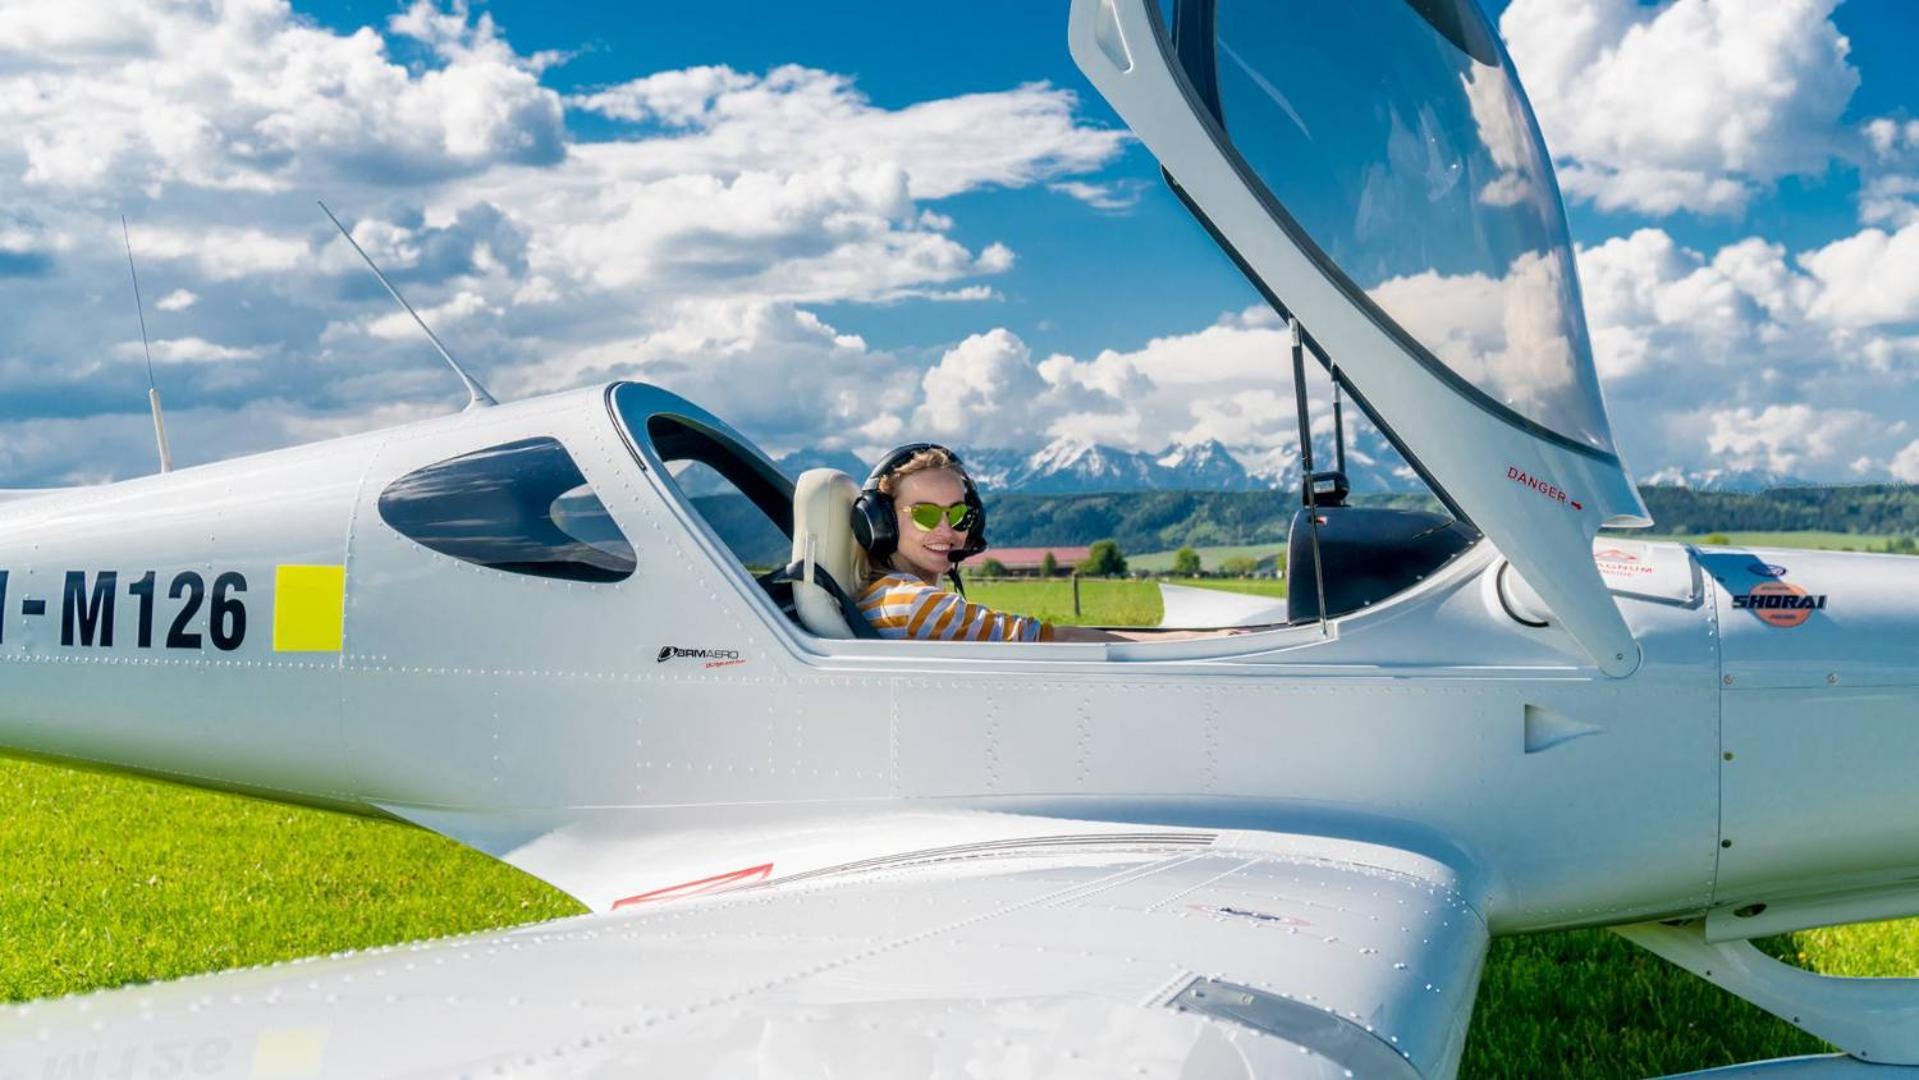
[{"x": 1374, "y": 167}]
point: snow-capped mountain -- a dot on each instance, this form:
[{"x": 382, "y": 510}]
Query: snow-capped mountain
[
  {"x": 1207, "y": 466},
  {"x": 1077, "y": 466},
  {"x": 1725, "y": 479},
  {"x": 1069, "y": 465}
]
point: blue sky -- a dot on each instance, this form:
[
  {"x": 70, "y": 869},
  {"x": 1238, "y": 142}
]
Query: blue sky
[{"x": 852, "y": 224}]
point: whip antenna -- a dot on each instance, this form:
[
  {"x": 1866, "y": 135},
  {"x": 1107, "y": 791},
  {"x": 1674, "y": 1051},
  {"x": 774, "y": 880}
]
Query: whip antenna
[
  {"x": 477, "y": 396},
  {"x": 153, "y": 389}
]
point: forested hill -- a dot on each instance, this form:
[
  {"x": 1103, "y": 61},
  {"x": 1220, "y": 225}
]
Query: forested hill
[
  {"x": 1880, "y": 509},
  {"x": 1162, "y": 520}
]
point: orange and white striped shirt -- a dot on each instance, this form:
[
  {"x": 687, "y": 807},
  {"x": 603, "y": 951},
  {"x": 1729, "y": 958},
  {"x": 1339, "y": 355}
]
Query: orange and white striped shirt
[{"x": 901, "y": 606}]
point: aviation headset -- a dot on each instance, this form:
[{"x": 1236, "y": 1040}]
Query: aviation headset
[{"x": 876, "y": 522}]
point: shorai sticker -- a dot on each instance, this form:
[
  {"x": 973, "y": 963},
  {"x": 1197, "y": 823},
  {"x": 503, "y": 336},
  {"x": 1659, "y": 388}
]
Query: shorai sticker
[{"x": 1780, "y": 604}]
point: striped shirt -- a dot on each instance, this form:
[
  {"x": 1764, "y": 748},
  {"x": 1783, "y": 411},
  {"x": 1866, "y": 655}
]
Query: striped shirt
[{"x": 902, "y": 606}]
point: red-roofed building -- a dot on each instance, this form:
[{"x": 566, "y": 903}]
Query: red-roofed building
[{"x": 1026, "y": 560}]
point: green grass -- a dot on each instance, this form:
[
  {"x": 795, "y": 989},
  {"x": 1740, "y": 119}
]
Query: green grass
[
  {"x": 1102, "y": 602},
  {"x": 108, "y": 880},
  {"x": 1253, "y": 586},
  {"x": 1159, "y": 562},
  {"x": 1831, "y": 541}
]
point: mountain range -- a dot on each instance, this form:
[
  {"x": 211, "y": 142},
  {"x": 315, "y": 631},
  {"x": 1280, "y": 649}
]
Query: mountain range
[{"x": 1069, "y": 466}]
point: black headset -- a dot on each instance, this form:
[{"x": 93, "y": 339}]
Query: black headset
[{"x": 876, "y": 522}]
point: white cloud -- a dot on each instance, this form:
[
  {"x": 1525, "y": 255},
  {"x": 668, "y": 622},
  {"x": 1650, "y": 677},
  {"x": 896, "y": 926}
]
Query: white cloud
[
  {"x": 1805, "y": 361},
  {"x": 1892, "y": 201},
  {"x": 732, "y": 122},
  {"x": 1224, "y": 382},
  {"x": 177, "y": 300},
  {"x": 1869, "y": 279},
  {"x": 977, "y": 383},
  {"x": 222, "y": 254},
  {"x": 685, "y": 248},
  {"x": 1890, "y": 138},
  {"x": 1687, "y": 105},
  {"x": 97, "y": 109},
  {"x": 1905, "y": 464},
  {"x": 1114, "y": 197},
  {"x": 1793, "y": 440},
  {"x": 187, "y": 350}
]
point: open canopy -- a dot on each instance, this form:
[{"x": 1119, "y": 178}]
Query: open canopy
[{"x": 1374, "y": 167}]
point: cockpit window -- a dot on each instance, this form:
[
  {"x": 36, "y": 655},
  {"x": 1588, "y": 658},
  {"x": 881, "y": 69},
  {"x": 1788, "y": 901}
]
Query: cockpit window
[
  {"x": 1421, "y": 180},
  {"x": 521, "y": 507},
  {"x": 747, "y": 505}
]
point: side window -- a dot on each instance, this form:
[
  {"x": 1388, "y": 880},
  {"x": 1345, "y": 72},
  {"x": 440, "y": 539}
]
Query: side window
[
  {"x": 753, "y": 538},
  {"x": 746, "y": 503},
  {"x": 521, "y": 507}
]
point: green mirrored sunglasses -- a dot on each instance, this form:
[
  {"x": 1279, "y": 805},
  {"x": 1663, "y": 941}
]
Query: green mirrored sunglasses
[{"x": 929, "y": 515}]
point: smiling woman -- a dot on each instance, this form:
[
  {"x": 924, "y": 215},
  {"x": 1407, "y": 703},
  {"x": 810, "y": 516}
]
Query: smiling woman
[{"x": 918, "y": 517}]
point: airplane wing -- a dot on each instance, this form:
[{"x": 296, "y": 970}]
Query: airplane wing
[{"x": 1170, "y": 954}]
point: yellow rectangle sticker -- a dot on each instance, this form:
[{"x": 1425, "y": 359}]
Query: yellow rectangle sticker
[{"x": 309, "y": 608}]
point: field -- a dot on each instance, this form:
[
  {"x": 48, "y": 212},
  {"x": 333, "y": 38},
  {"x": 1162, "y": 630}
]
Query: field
[
  {"x": 1117, "y": 602},
  {"x": 111, "y": 880},
  {"x": 1831, "y": 541},
  {"x": 1210, "y": 558}
]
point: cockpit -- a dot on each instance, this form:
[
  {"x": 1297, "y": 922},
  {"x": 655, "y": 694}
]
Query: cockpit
[{"x": 1402, "y": 216}]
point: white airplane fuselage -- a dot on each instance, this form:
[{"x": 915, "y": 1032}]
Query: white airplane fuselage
[{"x": 1755, "y": 765}]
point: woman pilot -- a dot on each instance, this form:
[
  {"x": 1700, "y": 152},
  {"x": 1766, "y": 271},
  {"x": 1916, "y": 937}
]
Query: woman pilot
[{"x": 917, "y": 516}]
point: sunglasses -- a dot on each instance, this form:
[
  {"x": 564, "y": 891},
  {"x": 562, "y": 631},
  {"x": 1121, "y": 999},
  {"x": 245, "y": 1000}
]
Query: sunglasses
[{"x": 929, "y": 515}]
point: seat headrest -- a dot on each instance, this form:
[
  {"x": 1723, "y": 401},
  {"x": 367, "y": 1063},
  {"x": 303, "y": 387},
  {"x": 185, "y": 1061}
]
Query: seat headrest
[{"x": 823, "y": 542}]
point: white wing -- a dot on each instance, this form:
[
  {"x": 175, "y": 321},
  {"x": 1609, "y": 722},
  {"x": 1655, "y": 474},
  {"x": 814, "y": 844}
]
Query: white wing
[{"x": 1153, "y": 955}]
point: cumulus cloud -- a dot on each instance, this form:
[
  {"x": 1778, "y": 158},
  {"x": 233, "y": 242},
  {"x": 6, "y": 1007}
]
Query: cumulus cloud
[
  {"x": 141, "y": 105},
  {"x": 1891, "y": 138},
  {"x": 1868, "y": 279},
  {"x": 1790, "y": 440},
  {"x": 687, "y": 242},
  {"x": 1224, "y": 381},
  {"x": 1905, "y": 464},
  {"x": 729, "y": 122},
  {"x": 1688, "y": 105},
  {"x": 177, "y": 300},
  {"x": 1809, "y": 364},
  {"x": 187, "y": 350}
]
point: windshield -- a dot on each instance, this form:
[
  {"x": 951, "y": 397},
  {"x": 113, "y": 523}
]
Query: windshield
[{"x": 1422, "y": 179}]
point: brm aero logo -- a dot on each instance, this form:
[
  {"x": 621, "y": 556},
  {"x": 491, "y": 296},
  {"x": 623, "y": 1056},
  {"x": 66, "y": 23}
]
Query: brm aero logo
[{"x": 713, "y": 657}]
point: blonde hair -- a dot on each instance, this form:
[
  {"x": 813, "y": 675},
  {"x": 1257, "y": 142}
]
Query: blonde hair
[{"x": 932, "y": 459}]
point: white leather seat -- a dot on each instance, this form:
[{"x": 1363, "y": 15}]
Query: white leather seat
[{"x": 823, "y": 545}]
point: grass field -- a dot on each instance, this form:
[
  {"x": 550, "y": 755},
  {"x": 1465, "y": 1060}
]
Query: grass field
[
  {"x": 1210, "y": 558},
  {"x": 109, "y": 880},
  {"x": 1830, "y": 541},
  {"x": 1102, "y": 602}
]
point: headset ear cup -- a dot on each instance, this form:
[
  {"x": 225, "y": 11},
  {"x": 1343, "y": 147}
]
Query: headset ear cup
[{"x": 875, "y": 526}]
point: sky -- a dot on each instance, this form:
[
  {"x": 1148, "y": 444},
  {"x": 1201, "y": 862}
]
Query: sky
[{"x": 847, "y": 226}]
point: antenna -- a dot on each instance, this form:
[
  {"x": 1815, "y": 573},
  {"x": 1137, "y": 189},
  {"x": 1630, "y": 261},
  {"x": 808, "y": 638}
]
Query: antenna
[
  {"x": 153, "y": 390},
  {"x": 477, "y": 396}
]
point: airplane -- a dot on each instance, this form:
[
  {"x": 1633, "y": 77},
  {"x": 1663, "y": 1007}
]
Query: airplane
[{"x": 808, "y": 852}]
